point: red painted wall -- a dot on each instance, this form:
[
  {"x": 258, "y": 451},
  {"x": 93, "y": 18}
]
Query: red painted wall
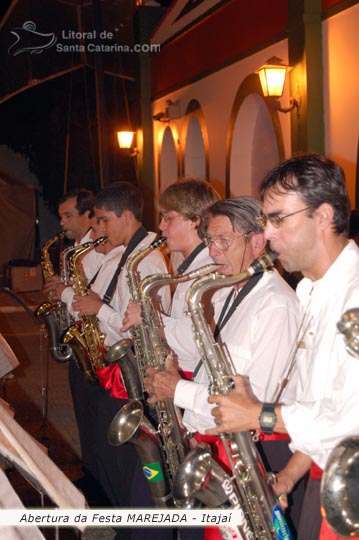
[
  {"x": 327, "y": 4},
  {"x": 227, "y": 34}
]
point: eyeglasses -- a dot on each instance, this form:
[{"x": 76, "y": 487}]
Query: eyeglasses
[
  {"x": 166, "y": 218},
  {"x": 277, "y": 220},
  {"x": 221, "y": 243}
]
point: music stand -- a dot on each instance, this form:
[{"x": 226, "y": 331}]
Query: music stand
[
  {"x": 29, "y": 458},
  {"x": 8, "y": 362},
  {"x": 9, "y": 500},
  {"x": 43, "y": 367}
]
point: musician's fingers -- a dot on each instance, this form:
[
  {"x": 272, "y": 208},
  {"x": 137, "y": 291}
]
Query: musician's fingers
[
  {"x": 215, "y": 399},
  {"x": 283, "y": 500}
]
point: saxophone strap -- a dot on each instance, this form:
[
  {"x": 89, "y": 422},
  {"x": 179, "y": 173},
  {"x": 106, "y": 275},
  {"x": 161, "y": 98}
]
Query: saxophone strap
[
  {"x": 94, "y": 278},
  {"x": 226, "y": 315},
  {"x": 189, "y": 260},
  {"x": 139, "y": 235}
]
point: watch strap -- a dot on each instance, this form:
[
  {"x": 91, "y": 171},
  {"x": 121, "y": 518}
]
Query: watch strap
[{"x": 268, "y": 418}]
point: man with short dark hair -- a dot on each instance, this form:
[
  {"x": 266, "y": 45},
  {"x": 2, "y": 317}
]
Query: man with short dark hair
[
  {"x": 118, "y": 209},
  {"x": 306, "y": 216},
  {"x": 75, "y": 209}
]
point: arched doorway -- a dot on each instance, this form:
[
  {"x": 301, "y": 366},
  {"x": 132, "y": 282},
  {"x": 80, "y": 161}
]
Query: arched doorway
[
  {"x": 168, "y": 163},
  {"x": 195, "y": 158},
  {"x": 255, "y": 142},
  {"x": 194, "y": 154}
]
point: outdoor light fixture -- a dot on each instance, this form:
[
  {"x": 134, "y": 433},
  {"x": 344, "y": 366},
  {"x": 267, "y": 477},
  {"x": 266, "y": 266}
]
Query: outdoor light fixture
[
  {"x": 272, "y": 77},
  {"x": 125, "y": 141},
  {"x": 171, "y": 112}
]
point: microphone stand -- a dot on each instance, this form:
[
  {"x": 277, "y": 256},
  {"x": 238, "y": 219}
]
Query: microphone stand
[{"x": 44, "y": 379}]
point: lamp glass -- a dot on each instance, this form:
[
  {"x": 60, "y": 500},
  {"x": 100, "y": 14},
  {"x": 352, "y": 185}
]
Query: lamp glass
[
  {"x": 125, "y": 138},
  {"x": 272, "y": 79}
]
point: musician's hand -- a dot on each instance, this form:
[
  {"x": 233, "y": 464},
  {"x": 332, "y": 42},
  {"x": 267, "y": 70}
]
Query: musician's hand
[
  {"x": 285, "y": 480},
  {"x": 132, "y": 317},
  {"x": 89, "y": 304},
  {"x": 236, "y": 411},
  {"x": 53, "y": 287},
  {"x": 282, "y": 487},
  {"x": 161, "y": 385}
]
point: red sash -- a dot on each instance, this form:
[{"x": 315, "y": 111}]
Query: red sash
[
  {"x": 187, "y": 375},
  {"x": 273, "y": 437},
  {"x": 327, "y": 534},
  {"x": 315, "y": 472},
  {"x": 110, "y": 379}
]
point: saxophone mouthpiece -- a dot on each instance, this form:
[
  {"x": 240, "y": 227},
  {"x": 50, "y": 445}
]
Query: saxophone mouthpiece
[
  {"x": 263, "y": 262},
  {"x": 158, "y": 242},
  {"x": 99, "y": 241}
]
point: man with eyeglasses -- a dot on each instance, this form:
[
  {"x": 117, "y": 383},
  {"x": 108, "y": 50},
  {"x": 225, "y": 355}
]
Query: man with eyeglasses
[
  {"x": 182, "y": 205},
  {"x": 256, "y": 322},
  {"x": 306, "y": 212}
]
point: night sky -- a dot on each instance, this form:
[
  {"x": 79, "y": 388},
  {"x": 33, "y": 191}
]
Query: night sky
[{"x": 42, "y": 119}]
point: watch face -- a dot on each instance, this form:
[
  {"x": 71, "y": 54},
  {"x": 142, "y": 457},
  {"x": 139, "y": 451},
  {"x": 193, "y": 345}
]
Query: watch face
[{"x": 268, "y": 418}]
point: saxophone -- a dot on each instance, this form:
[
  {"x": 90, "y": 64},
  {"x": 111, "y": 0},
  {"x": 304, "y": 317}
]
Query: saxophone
[
  {"x": 339, "y": 485},
  {"x": 163, "y": 446},
  {"x": 52, "y": 314},
  {"x": 250, "y": 489},
  {"x": 84, "y": 337}
]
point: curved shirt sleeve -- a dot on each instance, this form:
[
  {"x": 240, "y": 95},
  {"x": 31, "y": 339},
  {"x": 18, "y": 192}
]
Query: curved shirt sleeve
[
  {"x": 317, "y": 427},
  {"x": 111, "y": 316},
  {"x": 193, "y": 397}
]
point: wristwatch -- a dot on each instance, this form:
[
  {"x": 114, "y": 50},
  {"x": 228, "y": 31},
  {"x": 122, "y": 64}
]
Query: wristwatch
[{"x": 267, "y": 418}]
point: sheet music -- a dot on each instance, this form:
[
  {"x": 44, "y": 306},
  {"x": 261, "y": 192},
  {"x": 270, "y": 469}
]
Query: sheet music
[
  {"x": 23, "y": 452},
  {"x": 8, "y": 360},
  {"x": 10, "y": 499}
]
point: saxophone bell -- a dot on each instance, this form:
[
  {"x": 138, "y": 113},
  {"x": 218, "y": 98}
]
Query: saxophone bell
[
  {"x": 339, "y": 486},
  {"x": 121, "y": 353},
  {"x": 130, "y": 425},
  {"x": 47, "y": 314},
  {"x": 339, "y": 489},
  {"x": 349, "y": 327},
  {"x": 201, "y": 481}
]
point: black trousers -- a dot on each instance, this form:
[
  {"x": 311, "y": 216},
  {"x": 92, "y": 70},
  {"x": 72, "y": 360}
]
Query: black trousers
[
  {"x": 311, "y": 520},
  {"x": 121, "y": 475},
  {"x": 275, "y": 455},
  {"x": 85, "y": 397}
]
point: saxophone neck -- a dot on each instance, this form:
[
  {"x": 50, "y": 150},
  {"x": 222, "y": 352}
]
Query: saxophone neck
[
  {"x": 159, "y": 280},
  {"x": 46, "y": 264},
  {"x": 132, "y": 263},
  {"x": 217, "y": 280}
]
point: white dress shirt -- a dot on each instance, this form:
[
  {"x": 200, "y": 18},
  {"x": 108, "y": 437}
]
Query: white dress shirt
[
  {"x": 91, "y": 264},
  {"x": 178, "y": 331},
  {"x": 328, "y": 398},
  {"x": 259, "y": 337},
  {"x": 111, "y": 316},
  {"x": 92, "y": 261}
]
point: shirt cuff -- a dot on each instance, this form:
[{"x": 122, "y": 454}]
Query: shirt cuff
[
  {"x": 104, "y": 313},
  {"x": 67, "y": 296},
  {"x": 185, "y": 394},
  {"x": 301, "y": 429}
]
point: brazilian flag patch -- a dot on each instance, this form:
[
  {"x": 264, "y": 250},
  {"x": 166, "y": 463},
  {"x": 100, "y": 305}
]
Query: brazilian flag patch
[{"x": 153, "y": 472}]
